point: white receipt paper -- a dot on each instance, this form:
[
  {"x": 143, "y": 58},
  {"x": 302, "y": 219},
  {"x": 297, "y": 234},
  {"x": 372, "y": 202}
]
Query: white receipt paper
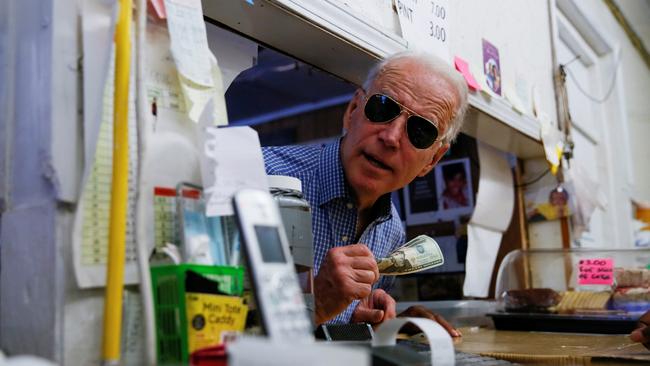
[
  {"x": 442, "y": 347},
  {"x": 231, "y": 159},
  {"x": 98, "y": 25},
  {"x": 482, "y": 248},
  {"x": 494, "y": 204}
]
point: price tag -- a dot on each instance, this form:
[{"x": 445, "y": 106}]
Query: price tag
[
  {"x": 425, "y": 25},
  {"x": 596, "y": 271}
]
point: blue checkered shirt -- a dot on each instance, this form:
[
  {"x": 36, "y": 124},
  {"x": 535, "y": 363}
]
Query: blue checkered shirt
[{"x": 334, "y": 213}]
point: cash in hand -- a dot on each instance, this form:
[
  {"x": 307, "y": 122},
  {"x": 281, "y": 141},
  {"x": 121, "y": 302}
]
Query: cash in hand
[{"x": 417, "y": 255}]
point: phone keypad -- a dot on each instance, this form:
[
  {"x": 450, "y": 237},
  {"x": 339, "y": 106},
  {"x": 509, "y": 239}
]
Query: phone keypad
[{"x": 286, "y": 308}]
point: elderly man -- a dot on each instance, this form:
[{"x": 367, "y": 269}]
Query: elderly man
[{"x": 395, "y": 129}]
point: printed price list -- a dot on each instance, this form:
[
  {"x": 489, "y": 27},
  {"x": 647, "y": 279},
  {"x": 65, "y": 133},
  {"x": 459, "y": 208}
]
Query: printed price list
[
  {"x": 97, "y": 192},
  {"x": 165, "y": 223}
]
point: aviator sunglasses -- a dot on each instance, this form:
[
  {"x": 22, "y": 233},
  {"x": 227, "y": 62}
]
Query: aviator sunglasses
[{"x": 381, "y": 108}]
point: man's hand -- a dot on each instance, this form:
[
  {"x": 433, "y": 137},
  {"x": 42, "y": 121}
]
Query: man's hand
[
  {"x": 374, "y": 309},
  {"x": 642, "y": 332},
  {"x": 418, "y": 311},
  {"x": 347, "y": 274}
]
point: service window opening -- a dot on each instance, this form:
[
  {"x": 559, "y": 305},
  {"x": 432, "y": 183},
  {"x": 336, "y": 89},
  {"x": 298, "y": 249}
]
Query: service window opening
[{"x": 288, "y": 101}]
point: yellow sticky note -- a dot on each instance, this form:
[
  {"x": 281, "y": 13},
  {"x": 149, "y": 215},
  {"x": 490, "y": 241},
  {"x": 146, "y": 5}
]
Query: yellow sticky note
[
  {"x": 209, "y": 315},
  {"x": 552, "y": 140},
  {"x": 197, "y": 97},
  {"x": 557, "y": 159}
]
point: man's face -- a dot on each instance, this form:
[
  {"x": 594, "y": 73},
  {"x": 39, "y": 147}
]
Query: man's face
[{"x": 378, "y": 157}]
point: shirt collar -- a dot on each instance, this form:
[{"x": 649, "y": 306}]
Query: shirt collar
[
  {"x": 334, "y": 185},
  {"x": 332, "y": 177}
]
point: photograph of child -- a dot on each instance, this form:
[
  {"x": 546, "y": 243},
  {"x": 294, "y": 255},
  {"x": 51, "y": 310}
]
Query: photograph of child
[
  {"x": 455, "y": 191},
  {"x": 556, "y": 207},
  {"x": 440, "y": 196}
]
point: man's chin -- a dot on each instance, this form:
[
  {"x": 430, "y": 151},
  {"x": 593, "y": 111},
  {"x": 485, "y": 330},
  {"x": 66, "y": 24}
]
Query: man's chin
[{"x": 369, "y": 187}]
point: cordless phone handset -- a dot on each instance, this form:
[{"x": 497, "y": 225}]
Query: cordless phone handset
[{"x": 275, "y": 283}]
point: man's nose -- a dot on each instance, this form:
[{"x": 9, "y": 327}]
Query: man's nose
[{"x": 393, "y": 131}]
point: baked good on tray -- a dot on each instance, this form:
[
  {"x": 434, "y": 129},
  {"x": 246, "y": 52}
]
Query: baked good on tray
[
  {"x": 532, "y": 300},
  {"x": 632, "y": 294},
  {"x": 632, "y": 277},
  {"x": 546, "y": 300},
  {"x": 576, "y": 301}
]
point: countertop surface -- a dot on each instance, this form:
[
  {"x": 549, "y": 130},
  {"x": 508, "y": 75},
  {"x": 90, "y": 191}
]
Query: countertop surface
[
  {"x": 552, "y": 348},
  {"x": 522, "y": 346}
]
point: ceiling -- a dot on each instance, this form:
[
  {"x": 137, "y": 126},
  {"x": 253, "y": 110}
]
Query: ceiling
[{"x": 279, "y": 86}]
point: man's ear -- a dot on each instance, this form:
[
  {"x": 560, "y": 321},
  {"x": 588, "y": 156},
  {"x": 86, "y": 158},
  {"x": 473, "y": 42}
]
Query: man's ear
[
  {"x": 354, "y": 103},
  {"x": 436, "y": 158}
]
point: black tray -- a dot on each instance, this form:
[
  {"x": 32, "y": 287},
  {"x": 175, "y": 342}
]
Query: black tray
[{"x": 603, "y": 324}]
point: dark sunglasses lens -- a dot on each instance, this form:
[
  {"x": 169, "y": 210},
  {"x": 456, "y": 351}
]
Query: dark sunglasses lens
[
  {"x": 380, "y": 108},
  {"x": 422, "y": 133}
]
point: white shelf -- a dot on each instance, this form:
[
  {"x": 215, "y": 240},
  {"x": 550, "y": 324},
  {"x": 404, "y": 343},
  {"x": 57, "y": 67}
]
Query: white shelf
[{"x": 504, "y": 112}]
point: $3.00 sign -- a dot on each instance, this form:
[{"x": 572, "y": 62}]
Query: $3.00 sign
[{"x": 596, "y": 271}]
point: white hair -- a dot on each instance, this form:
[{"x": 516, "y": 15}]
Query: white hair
[{"x": 438, "y": 67}]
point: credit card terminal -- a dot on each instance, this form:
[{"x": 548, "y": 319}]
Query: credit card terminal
[{"x": 275, "y": 283}]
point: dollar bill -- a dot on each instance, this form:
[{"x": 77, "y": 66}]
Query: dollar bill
[{"x": 417, "y": 255}]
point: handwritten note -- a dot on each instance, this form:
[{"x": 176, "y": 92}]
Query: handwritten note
[
  {"x": 189, "y": 41},
  {"x": 462, "y": 66},
  {"x": 425, "y": 25},
  {"x": 231, "y": 160},
  {"x": 163, "y": 84},
  {"x": 199, "y": 75},
  {"x": 596, "y": 271}
]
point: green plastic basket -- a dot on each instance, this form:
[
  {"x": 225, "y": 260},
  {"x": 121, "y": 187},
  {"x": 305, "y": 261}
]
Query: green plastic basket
[{"x": 168, "y": 283}]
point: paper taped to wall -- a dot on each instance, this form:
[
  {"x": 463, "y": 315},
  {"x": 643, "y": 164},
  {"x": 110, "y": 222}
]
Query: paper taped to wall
[
  {"x": 189, "y": 42},
  {"x": 198, "y": 69},
  {"x": 98, "y": 25},
  {"x": 90, "y": 233},
  {"x": 231, "y": 160}
]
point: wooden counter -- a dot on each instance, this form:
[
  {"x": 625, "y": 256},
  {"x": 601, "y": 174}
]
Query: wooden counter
[{"x": 552, "y": 348}]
